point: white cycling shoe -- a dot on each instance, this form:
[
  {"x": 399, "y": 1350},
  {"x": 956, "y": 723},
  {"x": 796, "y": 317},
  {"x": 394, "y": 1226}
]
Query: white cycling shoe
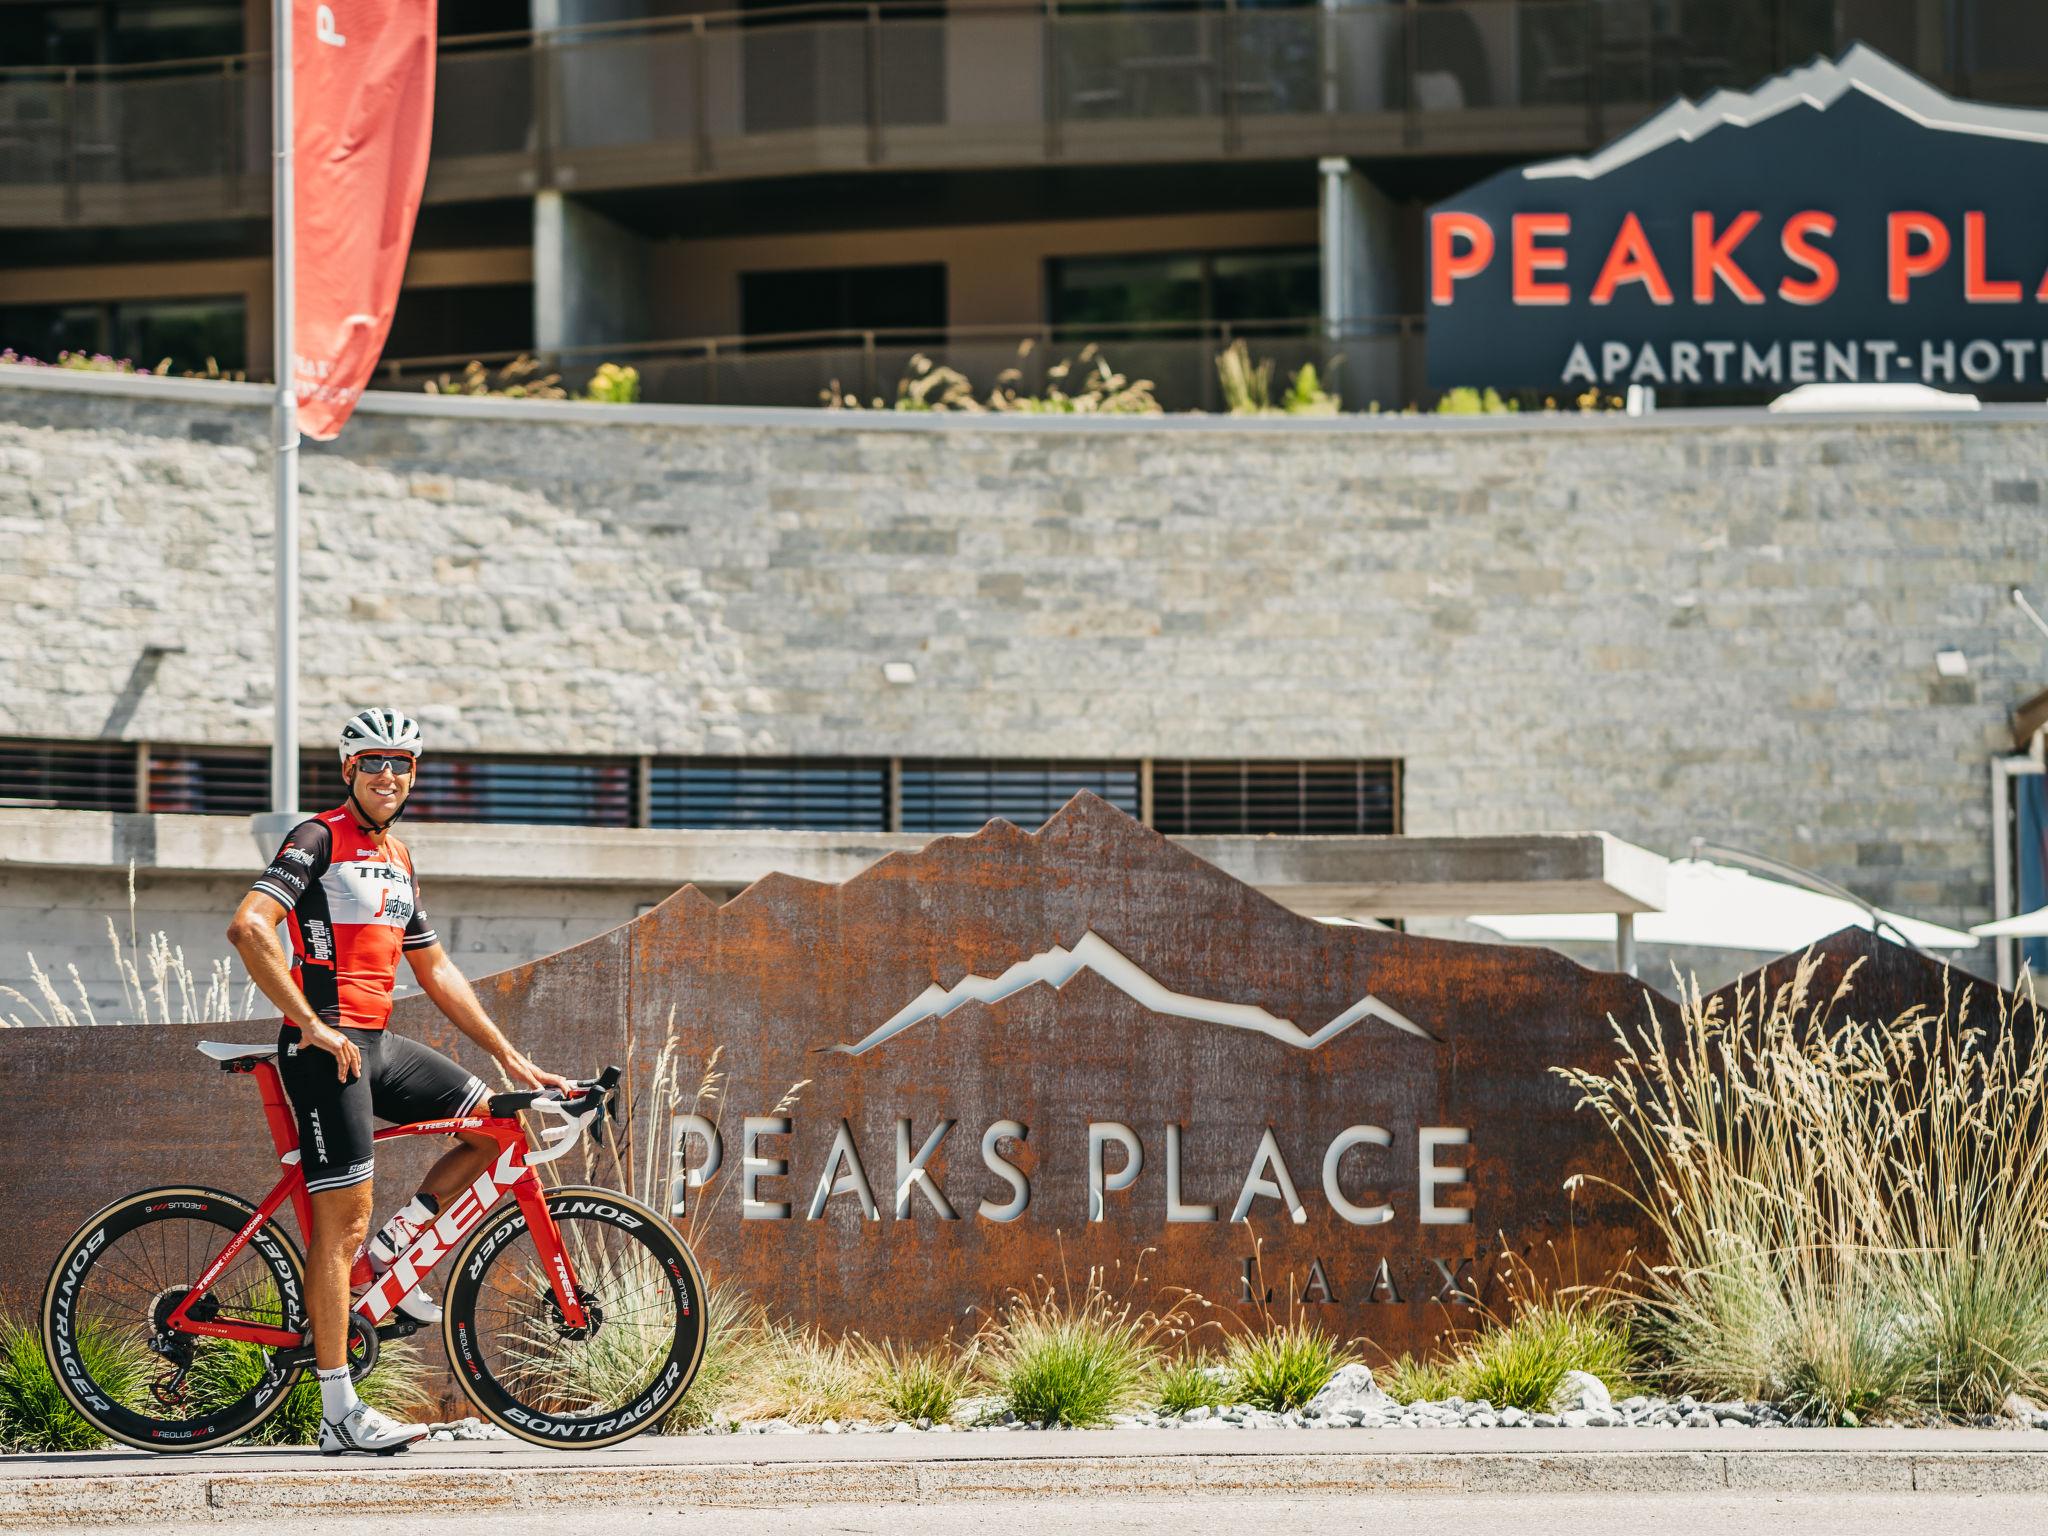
[
  {"x": 368, "y": 1432},
  {"x": 421, "y": 1307}
]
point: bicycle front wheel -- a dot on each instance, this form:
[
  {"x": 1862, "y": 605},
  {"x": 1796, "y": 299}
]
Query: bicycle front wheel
[
  {"x": 530, "y": 1373},
  {"x": 114, "y": 1287}
]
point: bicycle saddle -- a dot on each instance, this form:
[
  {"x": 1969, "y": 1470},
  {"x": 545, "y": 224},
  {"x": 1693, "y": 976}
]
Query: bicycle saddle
[{"x": 220, "y": 1051}]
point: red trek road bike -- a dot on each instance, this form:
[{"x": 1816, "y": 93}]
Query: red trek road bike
[{"x": 175, "y": 1319}]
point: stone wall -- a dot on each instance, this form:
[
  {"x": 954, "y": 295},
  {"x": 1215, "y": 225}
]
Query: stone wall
[{"x": 1717, "y": 623}]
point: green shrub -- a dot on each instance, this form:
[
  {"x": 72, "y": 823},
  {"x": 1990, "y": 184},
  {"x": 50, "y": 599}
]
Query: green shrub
[
  {"x": 1191, "y": 1382},
  {"x": 1284, "y": 1367},
  {"x": 1413, "y": 1380},
  {"x": 614, "y": 384},
  {"x": 1521, "y": 1362},
  {"x": 918, "y": 1384},
  {"x": 34, "y": 1415},
  {"x": 1464, "y": 401},
  {"x": 1055, "y": 1361}
]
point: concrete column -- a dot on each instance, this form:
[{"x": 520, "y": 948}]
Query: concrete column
[
  {"x": 1361, "y": 250},
  {"x": 592, "y": 277}
]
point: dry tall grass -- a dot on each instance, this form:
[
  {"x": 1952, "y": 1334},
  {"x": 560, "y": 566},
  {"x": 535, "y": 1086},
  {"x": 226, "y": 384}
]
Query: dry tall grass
[
  {"x": 1854, "y": 1214},
  {"x": 177, "y": 995}
]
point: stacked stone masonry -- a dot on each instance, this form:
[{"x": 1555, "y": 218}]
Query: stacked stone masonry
[{"x": 1659, "y": 628}]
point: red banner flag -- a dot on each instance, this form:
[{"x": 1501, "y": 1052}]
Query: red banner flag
[{"x": 363, "y": 82}]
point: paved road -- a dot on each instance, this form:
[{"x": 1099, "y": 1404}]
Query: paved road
[{"x": 1271, "y": 1515}]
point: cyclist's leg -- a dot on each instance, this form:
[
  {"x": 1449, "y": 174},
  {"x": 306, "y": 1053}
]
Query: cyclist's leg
[
  {"x": 416, "y": 1082},
  {"x": 336, "y": 1154}
]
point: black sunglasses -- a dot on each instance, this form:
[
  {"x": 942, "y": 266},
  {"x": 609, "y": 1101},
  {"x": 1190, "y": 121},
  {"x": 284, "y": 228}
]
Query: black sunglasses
[{"x": 377, "y": 763}]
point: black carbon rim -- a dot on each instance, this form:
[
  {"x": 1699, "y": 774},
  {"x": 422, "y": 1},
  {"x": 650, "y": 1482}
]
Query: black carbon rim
[
  {"x": 527, "y": 1371},
  {"x": 125, "y": 1269}
]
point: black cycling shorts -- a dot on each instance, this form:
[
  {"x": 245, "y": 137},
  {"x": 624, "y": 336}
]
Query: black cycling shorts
[{"x": 401, "y": 1081}]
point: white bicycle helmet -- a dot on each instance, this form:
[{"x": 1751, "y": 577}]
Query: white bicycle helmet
[{"x": 380, "y": 730}]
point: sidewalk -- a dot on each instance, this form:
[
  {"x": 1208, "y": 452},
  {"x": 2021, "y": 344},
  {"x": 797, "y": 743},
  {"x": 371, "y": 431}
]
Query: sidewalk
[{"x": 107, "y": 1488}]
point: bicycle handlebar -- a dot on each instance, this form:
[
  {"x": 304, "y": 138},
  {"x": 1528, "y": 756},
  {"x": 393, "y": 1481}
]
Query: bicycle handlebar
[{"x": 583, "y": 1109}]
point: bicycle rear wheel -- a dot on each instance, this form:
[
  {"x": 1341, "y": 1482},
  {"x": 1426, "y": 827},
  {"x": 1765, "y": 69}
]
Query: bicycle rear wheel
[
  {"x": 118, "y": 1280},
  {"x": 537, "y": 1378}
]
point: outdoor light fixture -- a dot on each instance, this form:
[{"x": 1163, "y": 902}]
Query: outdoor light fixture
[
  {"x": 899, "y": 672},
  {"x": 1951, "y": 663}
]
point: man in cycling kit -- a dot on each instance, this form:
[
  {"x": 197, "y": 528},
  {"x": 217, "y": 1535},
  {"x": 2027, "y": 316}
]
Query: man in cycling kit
[{"x": 345, "y": 886}]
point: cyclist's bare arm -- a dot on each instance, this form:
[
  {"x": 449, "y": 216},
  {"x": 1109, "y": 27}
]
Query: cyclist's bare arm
[
  {"x": 253, "y": 932},
  {"x": 441, "y": 979}
]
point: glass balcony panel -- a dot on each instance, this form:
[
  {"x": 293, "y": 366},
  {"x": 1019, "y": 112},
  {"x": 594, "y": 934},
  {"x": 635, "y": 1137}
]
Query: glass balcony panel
[
  {"x": 1367, "y": 48},
  {"x": 33, "y": 135},
  {"x": 483, "y": 103},
  {"x": 1277, "y": 62},
  {"x": 1139, "y": 66},
  {"x": 618, "y": 92}
]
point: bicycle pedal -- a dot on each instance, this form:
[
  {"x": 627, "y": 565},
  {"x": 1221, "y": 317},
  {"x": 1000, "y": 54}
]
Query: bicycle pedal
[{"x": 400, "y": 1327}]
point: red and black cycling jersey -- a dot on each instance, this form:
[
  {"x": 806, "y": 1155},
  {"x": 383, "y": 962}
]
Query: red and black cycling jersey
[{"x": 351, "y": 906}]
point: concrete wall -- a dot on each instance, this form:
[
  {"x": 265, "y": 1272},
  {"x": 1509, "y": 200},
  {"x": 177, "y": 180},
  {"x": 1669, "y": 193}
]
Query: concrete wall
[
  {"x": 59, "y": 919},
  {"x": 1720, "y": 624}
]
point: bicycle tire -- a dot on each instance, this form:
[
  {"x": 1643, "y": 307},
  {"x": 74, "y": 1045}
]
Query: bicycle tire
[
  {"x": 647, "y": 1301},
  {"x": 73, "y": 1304}
]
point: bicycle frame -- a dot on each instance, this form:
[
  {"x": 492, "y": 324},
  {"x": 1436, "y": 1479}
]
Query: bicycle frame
[{"x": 509, "y": 1170}]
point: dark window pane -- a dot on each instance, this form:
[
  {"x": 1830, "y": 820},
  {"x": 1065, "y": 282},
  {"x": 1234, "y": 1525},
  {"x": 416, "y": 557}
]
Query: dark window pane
[
  {"x": 961, "y": 795},
  {"x": 792, "y": 794},
  {"x": 186, "y": 331},
  {"x": 591, "y": 792},
  {"x": 1290, "y": 798},
  {"x": 42, "y": 331},
  {"x": 209, "y": 781},
  {"x": 1267, "y": 285},
  {"x": 907, "y": 298},
  {"x": 467, "y": 322},
  {"x": 1125, "y": 290},
  {"x": 67, "y": 776}
]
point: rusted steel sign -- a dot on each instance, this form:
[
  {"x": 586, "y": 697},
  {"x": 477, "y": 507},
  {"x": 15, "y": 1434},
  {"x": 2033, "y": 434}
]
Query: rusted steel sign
[
  {"x": 1018, "y": 1054},
  {"x": 1026, "y": 1053}
]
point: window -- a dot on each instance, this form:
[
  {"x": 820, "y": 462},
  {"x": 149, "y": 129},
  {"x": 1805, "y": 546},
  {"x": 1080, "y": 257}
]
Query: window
[
  {"x": 959, "y": 795},
  {"x": 471, "y": 321},
  {"x": 814, "y": 794},
  {"x": 908, "y": 298},
  {"x": 187, "y": 331},
  {"x": 1193, "y": 286},
  {"x": 1291, "y": 798},
  {"x": 530, "y": 791},
  {"x": 146, "y": 331},
  {"x": 67, "y": 776},
  {"x": 209, "y": 781},
  {"x": 792, "y": 794}
]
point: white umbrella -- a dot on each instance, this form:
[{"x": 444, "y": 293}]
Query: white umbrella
[
  {"x": 2028, "y": 925},
  {"x": 1713, "y": 906}
]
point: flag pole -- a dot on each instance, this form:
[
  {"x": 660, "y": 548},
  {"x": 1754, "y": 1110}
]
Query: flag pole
[{"x": 284, "y": 419}]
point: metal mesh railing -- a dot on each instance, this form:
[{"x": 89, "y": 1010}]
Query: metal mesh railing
[{"x": 1366, "y": 363}]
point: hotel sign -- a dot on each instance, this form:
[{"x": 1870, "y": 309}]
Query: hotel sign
[{"x": 1845, "y": 223}]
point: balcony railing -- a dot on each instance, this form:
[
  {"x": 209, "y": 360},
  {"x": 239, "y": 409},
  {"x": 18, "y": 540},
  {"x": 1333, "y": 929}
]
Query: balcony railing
[
  {"x": 1365, "y": 362},
  {"x": 840, "y": 87}
]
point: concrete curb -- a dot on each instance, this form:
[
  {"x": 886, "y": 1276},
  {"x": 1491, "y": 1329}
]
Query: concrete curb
[{"x": 186, "y": 1493}]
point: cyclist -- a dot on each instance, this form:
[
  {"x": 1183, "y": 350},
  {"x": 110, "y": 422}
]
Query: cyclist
[{"x": 346, "y": 887}]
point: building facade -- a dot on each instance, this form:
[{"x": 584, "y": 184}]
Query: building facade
[{"x": 758, "y": 205}]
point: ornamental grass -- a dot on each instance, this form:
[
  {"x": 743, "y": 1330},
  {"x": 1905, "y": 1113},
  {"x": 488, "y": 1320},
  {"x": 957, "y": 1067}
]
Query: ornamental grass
[{"x": 1851, "y": 1212}]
